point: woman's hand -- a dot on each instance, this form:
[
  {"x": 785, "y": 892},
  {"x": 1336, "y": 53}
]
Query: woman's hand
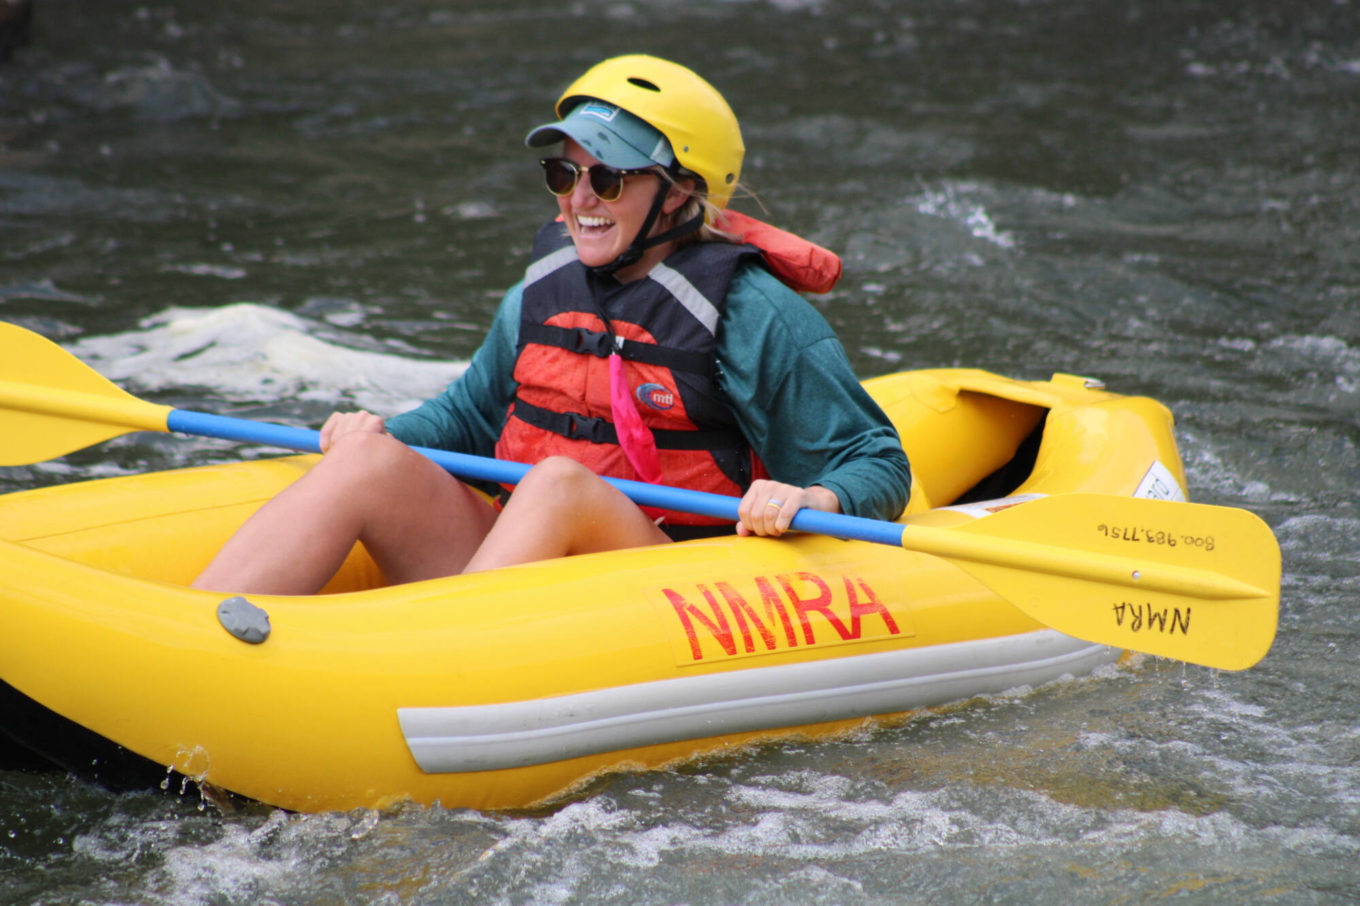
[
  {"x": 342, "y": 423},
  {"x": 768, "y": 507}
]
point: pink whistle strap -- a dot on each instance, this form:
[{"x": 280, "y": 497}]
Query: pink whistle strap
[{"x": 634, "y": 437}]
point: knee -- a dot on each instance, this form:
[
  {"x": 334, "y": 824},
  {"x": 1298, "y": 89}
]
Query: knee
[
  {"x": 561, "y": 475},
  {"x": 365, "y": 456}
]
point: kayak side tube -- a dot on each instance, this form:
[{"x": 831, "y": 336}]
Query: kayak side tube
[{"x": 516, "y": 734}]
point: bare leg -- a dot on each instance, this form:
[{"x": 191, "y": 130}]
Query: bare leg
[
  {"x": 559, "y": 509},
  {"x": 416, "y": 520}
]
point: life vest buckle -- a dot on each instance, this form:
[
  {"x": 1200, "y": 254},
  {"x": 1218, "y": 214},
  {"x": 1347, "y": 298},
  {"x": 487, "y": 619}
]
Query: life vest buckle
[
  {"x": 594, "y": 342},
  {"x": 583, "y": 427}
]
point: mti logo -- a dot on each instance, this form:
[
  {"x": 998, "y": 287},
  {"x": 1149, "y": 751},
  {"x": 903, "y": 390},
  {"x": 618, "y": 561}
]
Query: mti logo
[{"x": 656, "y": 396}]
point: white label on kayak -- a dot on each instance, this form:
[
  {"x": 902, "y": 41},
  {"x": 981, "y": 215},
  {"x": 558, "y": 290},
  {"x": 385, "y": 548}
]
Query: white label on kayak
[
  {"x": 1160, "y": 484},
  {"x": 988, "y": 507}
]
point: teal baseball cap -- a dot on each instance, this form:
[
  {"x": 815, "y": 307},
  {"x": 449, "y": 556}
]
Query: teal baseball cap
[{"x": 611, "y": 134}]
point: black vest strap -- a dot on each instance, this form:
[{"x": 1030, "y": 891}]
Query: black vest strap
[
  {"x": 596, "y": 343},
  {"x": 599, "y": 431}
]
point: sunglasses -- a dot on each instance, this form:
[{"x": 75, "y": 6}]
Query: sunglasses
[{"x": 606, "y": 182}]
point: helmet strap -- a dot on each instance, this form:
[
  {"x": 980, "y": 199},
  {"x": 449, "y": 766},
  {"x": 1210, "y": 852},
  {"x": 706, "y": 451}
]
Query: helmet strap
[
  {"x": 684, "y": 229},
  {"x": 641, "y": 242}
]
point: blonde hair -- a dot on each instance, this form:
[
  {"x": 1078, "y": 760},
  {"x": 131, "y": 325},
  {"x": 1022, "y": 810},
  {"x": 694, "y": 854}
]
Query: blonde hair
[{"x": 697, "y": 203}]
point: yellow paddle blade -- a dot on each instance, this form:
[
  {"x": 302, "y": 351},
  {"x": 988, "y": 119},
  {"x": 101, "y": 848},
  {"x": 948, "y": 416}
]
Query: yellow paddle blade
[
  {"x": 51, "y": 403},
  {"x": 1187, "y": 581}
]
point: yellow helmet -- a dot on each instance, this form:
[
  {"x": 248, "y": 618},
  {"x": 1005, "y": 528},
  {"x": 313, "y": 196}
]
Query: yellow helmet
[{"x": 688, "y": 111}]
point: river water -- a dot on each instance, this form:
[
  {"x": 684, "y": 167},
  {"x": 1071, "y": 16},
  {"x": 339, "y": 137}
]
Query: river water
[{"x": 269, "y": 208}]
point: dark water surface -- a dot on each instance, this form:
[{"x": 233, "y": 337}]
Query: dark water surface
[{"x": 1162, "y": 194}]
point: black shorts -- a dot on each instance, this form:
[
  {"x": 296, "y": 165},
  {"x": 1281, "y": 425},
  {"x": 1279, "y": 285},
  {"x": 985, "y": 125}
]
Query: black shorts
[{"x": 690, "y": 532}]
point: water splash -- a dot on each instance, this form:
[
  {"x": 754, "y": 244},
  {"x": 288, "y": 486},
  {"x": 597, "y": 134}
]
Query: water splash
[
  {"x": 249, "y": 352},
  {"x": 958, "y": 204}
]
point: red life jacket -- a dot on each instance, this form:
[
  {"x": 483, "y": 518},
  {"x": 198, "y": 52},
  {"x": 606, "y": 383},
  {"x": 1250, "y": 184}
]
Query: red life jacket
[
  {"x": 562, "y": 403},
  {"x": 804, "y": 266},
  {"x": 575, "y": 325}
]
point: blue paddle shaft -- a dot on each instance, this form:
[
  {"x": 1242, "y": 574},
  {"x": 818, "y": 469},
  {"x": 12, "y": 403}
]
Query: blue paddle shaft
[{"x": 482, "y": 468}]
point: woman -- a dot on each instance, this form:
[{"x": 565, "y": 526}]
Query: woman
[{"x": 643, "y": 343}]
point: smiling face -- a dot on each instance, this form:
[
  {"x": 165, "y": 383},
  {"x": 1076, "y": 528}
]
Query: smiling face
[{"x": 603, "y": 230}]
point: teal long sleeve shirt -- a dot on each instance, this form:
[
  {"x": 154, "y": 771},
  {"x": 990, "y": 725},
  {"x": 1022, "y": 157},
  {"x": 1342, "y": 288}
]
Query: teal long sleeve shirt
[{"x": 786, "y": 378}]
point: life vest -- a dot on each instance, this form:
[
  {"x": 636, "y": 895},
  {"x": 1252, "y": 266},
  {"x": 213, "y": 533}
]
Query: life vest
[
  {"x": 562, "y": 403},
  {"x": 802, "y": 265},
  {"x": 594, "y": 384}
]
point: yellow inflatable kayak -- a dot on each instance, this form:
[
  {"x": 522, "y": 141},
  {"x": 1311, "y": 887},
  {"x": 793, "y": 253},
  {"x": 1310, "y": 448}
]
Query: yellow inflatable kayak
[{"x": 509, "y": 688}]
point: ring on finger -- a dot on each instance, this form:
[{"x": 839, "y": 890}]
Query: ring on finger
[{"x": 774, "y": 503}]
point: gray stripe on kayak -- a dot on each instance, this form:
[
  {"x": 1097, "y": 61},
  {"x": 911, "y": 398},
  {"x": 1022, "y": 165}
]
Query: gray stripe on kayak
[
  {"x": 695, "y": 302},
  {"x": 546, "y": 265},
  {"x": 516, "y": 734}
]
